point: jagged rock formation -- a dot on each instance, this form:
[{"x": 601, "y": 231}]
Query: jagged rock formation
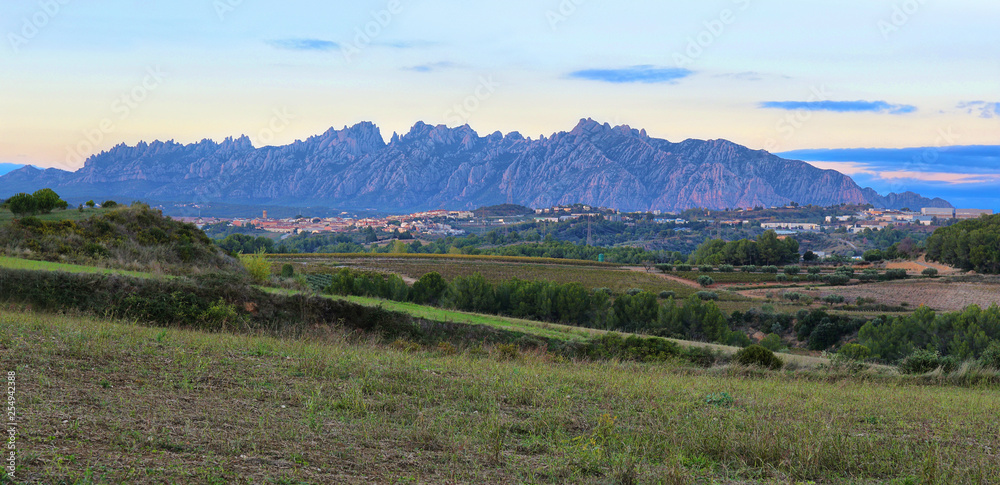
[{"x": 439, "y": 167}]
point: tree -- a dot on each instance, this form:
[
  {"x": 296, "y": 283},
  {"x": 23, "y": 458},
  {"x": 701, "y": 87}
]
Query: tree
[
  {"x": 809, "y": 256},
  {"x": 90, "y": 204},
  {"x": 22, "y": 204},
  {"x": 705, "y": 281},
  {"x": 873, "y": 255},
  {"x": 46, "y": 200}
]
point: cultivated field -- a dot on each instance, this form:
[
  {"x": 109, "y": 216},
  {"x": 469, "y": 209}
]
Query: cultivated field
[
  {"x": 935, "y": 293},
  {"x": 495, "y": 270},
  {"x": 105, "y": 402}
]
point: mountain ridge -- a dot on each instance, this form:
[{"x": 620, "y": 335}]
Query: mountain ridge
[{"x": 434, "y": 166}]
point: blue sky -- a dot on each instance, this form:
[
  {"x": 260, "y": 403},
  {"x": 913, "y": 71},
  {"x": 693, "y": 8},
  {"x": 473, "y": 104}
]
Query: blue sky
[{"x": 80, "y": 77}]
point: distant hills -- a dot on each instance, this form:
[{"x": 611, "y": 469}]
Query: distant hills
[{"x": 439, "y": 167}]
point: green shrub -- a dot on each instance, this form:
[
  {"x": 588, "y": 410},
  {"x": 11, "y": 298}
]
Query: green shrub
[
  {"x": 833, "y": 299},
  {"x": 815, "y": 270},
  {"x": 837, "y": 279},
  {"x": 895, "y": 274},
  {"x": 727, "y": 268},
  {"x": 667, "y": 294},
  {"x": 930, "y": 273},
  {"x": 664, "y": 267},
  {"x": 287, "y": 271},
  {"x": 257, "y": 265},
  {"x": 991, "y": 356},
  {"x": 924, "y": 361},
  {"x": 781, "y": 278},
  {"x": 705, "y": 281},
  {"x": 792, "y": 270},
  {"x": 683, "y": 268},
  {"x": 772, "y": 342},
  {"x": 707, "y": 295},
  {"x": 634, "y": 291},
  {"x": 770, "y": 269},
  {"x": 705, "y": 269},
  {"x": 855, "y": 352},
  {"x": 792, "y": 296},
  {"x": 758, "y": 356}
]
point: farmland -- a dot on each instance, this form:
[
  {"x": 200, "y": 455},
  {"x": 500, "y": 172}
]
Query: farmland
[
  {"x": 940, "y": 294},
  {"x": 183, "y": 406},
  {"x": 495, "y": 270}
]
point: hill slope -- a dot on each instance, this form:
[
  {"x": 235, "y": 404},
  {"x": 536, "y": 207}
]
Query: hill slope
[{"x": 436, "y": 166}]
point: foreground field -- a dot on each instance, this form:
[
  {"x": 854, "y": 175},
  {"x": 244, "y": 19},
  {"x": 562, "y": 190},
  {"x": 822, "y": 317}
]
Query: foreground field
[{"x": 102, "y": 402}]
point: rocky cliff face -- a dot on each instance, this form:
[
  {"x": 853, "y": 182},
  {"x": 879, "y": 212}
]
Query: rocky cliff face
[{"x": 435, "y": 166}]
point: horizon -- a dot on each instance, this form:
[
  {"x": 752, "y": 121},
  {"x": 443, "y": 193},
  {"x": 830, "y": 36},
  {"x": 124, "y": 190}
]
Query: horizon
[{"x": 911, "y": 75}]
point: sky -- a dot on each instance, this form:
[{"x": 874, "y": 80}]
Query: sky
[{"x": 80, "y": 77}]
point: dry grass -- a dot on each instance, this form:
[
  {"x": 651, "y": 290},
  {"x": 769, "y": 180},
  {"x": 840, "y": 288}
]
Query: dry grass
[
  {"x": 935, "y": 293},
  {"x": 102, "y": 402}
]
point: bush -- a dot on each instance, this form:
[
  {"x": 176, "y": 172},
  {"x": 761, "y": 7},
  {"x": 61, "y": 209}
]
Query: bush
[
  {"x": 792, "y": 270},
  {"x": 815, "y": 270},
  {"x": 705, "y": 269},
  {"x": 257, "y": 265},
  {"x": 749, "y": 269},
  {"x": 109, "y": 204},
  {"x": 705, "y": 281},
  {"x": 772, "y": 342},
  {"x": 683, "y": 268},
  {"x": 930, "y": 273},
  {"x": 855, "y": 352},
  {"x": 792, "y": 296},
  {"x": 895, "y": 274},
  {"x": 287, "y": 271},
  {"x": 991, "y": 356},
  {"x": 781, "y": 278},
  {"x": 924, "y": 361},
  {"x": 837, "y": 279},
  {"x": 633, "y": 291},
  {"x": 665, "y": 267},
  {"x": 707, "y": 295},
  {"x": 726, "y": 268},
  {"x": 758, "y": 356},
  {"x": 22, "y": 204},
  {"x": 833, "y": 299},
  {"x": 770, "y": 269},
  {"x": 664, "y": 295}
]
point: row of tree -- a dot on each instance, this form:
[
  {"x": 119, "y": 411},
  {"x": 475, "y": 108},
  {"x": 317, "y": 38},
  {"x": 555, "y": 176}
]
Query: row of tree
[
  {"x": 963, "y": 335},
  {"x": 42, "y": 201},
  {"x": 635, "y": 311},
  {"x": 768, "y": 249}
]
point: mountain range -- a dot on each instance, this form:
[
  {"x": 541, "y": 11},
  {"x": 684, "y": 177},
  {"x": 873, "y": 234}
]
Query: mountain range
[{"x": 434, "y": 167}]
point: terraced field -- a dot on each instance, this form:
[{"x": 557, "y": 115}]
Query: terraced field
[{"x": 591, "y": 276}]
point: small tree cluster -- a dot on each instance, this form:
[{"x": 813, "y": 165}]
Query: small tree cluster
[{"x": 42, "y": 201}]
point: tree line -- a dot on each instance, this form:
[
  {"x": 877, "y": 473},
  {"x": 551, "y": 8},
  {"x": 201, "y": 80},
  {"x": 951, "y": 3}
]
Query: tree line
[
  {"x": 973, "y": 245},
  {"x": 767, "y": 249}
]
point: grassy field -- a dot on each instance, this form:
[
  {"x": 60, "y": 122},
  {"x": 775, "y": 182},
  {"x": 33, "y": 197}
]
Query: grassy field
[
  {"x": 18, "y": 263},
  {"x": 619, "y": 280},
  {"x": 105, "y": 402}
]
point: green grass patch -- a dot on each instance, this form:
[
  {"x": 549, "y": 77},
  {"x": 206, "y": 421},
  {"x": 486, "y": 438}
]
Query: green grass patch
[
  {"x": 29, "y": 264},
  {"x": 180, "y": 406}
]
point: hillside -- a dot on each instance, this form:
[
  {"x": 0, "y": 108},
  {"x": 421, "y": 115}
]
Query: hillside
[
  {"x": 435, "y": 166},
  {"x": 132, "y": 238}
]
